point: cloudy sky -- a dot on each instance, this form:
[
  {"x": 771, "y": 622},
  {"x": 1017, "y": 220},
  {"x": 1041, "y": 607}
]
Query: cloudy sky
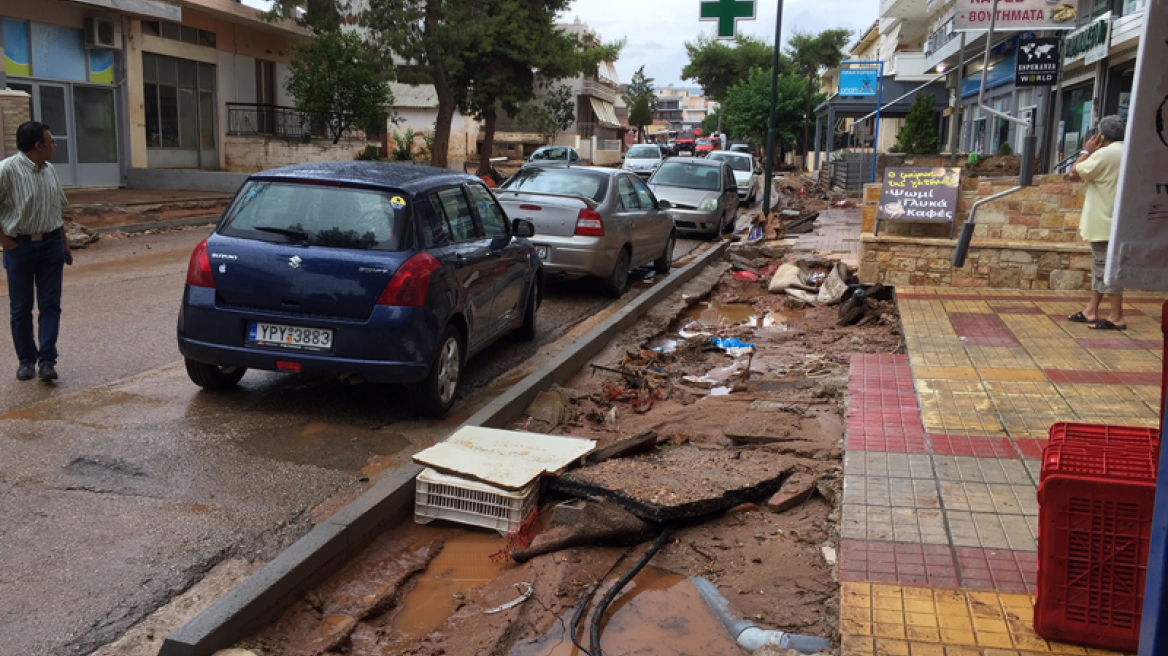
[{"x": 655, "y": 31}]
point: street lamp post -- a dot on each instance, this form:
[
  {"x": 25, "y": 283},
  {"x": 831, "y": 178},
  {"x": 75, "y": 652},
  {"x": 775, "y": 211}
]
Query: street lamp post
[{"x": 770, "y": 144}]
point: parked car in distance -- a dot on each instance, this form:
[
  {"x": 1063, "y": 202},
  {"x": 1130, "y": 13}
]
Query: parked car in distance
[
  {"x": 740, "y": 148},
  {"x": 643, "y": 159},
  {"x": 702, "y": 194},
  {"x": 389, "y": 273},
  {"x": 555, "y": 155},
  {"x": 747, "y": 173},
  {"x": 704, "y": 147},
  {"x": 591, "y": 222}
]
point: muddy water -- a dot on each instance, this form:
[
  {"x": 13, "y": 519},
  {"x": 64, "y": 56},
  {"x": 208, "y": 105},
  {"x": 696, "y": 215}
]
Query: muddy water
[
  {"x": 657, "y": 614},
  {"x": 729, "y": 314},
  {"x": 463, "y": 566}
]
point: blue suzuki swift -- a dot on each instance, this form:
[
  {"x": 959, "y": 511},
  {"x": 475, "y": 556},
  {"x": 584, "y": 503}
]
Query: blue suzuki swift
[{"x": 389, "y": 273}]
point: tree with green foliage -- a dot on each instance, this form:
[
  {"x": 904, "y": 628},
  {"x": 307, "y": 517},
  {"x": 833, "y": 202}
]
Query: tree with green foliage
[
  {"x": 716, "y": 66},
  {"x": 555, "y": 112},
  {"x": 746, "y": 112},
  {"x": 919, "y": 135},
  {"x": 337, "y": 82},
  {"x": 810, "y": 53},
  {"x": 641, "y": 86},
  {"x": 512, "y": 40},
  {"x": 641, "y": 115},
  {"x": 711, "y": 122},
  {"x": 318, "y": 15}
]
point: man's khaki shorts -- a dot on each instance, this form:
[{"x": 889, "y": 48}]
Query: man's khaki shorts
[{"x": 1098, "y": 264}]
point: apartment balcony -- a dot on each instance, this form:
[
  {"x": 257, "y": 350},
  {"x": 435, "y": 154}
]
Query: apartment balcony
[
  {"x": 903, "y": 8},
  {"x": 1126, "y": 29},
  {"x": 599, "y": 90},
  {"x": 909, "y": 65}
]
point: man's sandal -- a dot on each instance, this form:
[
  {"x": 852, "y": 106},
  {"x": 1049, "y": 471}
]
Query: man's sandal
[
  {"x": 1079, "y": 317},
  {"x": 1104, "y": 324}
]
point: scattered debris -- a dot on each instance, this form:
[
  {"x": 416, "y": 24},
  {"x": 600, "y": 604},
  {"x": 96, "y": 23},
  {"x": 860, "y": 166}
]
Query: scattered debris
[
  {"x": 550, "y": 409},
  {"x": 603, "y": 523},
  {"x": 79, "y": 236},
  {"x": 507, "y": 459},
  {"x": 567, "y": 512},
  {"x": 829, "y": 555},
  {"x": 635, "y": 444},
  {"x": 525, "y": 592},
  {"x": 796, "y": 490},
  {"x": 834, "y": 286}
]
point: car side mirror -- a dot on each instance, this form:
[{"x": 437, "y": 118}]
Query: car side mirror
[
  {"x": 664, "y": 205},
  {"x": 523, "y": 228}
]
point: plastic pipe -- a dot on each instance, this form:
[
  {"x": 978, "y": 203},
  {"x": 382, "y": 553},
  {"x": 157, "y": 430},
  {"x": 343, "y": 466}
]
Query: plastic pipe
[{"x": 747, "y": 634}]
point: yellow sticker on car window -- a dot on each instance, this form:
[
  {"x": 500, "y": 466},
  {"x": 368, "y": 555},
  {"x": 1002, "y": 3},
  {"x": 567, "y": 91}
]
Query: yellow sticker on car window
[{"x": 398, "y": 202}]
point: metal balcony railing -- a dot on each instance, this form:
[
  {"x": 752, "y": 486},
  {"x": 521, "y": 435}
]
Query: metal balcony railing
[
  {"x": 599, "y": 90},
  {"x": 257, "y": 119},
  {"x": 940, "y": 38}
]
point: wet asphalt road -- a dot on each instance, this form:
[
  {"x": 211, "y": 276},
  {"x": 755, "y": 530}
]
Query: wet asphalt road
[{"x": 121, "y": 485}]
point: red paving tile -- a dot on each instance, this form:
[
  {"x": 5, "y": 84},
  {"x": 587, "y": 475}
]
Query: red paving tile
[
  {"x": 1121, "y": 344},
  {"x": 895, "y": 562},
  {"x": 1139, "y": 377},
  {"x": 1002, "y": 570},
  {"x": 883, "y": 414},
  {"x": 1071, "y": 376},
  {"x": 972, "y": 445},
  {"x": 1016, "y": 310},
  {"x": 978, "y": 329},
  {"x": 1030, "y": 447},
  {"x": 905, "y": 297}
]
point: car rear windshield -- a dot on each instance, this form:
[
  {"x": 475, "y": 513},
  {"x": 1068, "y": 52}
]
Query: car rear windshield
[
  {"x": 690, "y": 176},
  {"x": 736, "y": 162},
  {"x": 566, "y": 182},
  {"x": 705, "y": 142},
  {"x": 550, "y": 154},
  {"x": 685, "y": 135},
  {"x": 644, "y": 152},
  {"x": 319, "y": 215}
]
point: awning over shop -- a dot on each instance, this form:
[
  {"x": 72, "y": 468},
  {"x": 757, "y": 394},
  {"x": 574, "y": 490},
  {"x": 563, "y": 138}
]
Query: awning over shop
[
  {"x": 656, "y": 129},
  {"x": 605, "y": 112}
]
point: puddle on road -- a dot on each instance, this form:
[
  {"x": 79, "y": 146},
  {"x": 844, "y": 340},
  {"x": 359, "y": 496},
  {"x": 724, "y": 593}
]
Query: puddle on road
[
  {"x": 334, "y": 446},
  {"x": 658, "y": 614},
  {"x": 463, "y": 566},
  {"x": 94, "y": 409}
]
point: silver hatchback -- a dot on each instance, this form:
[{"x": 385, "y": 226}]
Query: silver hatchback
[
  {"x": 702, "y": 194},
  {"x": 591, "y": 221}
]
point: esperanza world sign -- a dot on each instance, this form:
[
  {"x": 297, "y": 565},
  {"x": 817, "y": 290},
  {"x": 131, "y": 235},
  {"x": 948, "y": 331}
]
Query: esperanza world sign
[
  {"x": 922, "y": 194},
  {"x": 1016, "y": 15}
]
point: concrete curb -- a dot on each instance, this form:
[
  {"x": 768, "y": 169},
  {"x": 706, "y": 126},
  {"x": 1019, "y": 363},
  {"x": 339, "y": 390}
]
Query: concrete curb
[
  {"x": 326, "y": 548},
  {"x": 209, "y": 219}
]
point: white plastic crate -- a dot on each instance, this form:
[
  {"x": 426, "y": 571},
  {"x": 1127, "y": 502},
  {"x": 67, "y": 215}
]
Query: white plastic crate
[{"x": 457, "y": 499}]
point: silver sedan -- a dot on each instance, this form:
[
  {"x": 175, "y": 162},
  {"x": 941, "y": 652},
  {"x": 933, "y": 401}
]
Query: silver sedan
[
  {"x": 591, "y": 221},
  {"x": 702, "y": 194}
]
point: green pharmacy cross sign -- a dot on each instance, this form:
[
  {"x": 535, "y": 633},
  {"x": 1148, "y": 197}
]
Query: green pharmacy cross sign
[{"x": 727, "y": 13}]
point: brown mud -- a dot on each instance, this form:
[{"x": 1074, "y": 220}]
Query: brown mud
[{"x": 424, "y": 590}]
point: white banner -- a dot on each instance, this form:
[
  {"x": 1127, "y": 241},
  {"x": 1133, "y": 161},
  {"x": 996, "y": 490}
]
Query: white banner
[
  {"x": 1016, "y": 15},
  {"x": 1138, "y": 255}
]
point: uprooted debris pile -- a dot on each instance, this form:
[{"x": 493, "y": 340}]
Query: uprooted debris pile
[{"x": 796, "y": 204}]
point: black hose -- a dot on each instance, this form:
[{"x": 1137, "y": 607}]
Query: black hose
[
  {"x": 574, "y": 628},
  {"x": 598, "y": 616}
]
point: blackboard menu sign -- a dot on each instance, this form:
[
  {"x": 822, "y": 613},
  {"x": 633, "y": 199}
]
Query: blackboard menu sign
[{"x": 924, "y": 195}]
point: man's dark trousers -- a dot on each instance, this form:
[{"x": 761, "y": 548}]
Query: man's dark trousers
[{"x": 35, "y": 271}]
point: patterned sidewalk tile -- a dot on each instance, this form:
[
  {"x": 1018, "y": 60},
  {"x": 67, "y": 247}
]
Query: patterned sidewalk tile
[
  {"x": 1001, "y": 357},
  {"x": 1032, "y": 448},
  {"x": 970, "y": 306},
  {"x": 1149, "y": 394},
  {"x": 946, "y": 373},
  {"x": 992, "y": 531},
  {"x": 1026, "y": 371},
  {"x": 1002, "y": 570},
  {"x": 892, "y": 620},
  {"x": 976, "y": 329},
  {"x": 1121, "y": 344},
  {"x": 1108, "y": 404},
  {"x": 978, "y": 446},
  {"x": 994, "y": 471},
  {"x": 1129, "y": 361},
  {"x": 990, "y": 498},
  {"x": 882, "y": 463},
  {"x": 884, "y": 524},
  {"x": 897, "y": 562},
  {"x": 892, "y": 492},
  {"x": 1078, "y": 376}
]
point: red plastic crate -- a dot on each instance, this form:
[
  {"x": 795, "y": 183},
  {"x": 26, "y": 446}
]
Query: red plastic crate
[
  {"x": 1092, "y": 560},
  {"x": 1083, "y": 460},
  {"x": 1102, "y": 435}
]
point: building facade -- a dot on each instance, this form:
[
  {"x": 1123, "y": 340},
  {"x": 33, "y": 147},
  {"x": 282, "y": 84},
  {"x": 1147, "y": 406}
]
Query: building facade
[{"x": 682, "y": 108}]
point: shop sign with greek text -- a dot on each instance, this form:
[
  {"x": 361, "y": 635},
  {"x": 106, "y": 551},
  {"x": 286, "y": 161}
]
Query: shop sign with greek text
[
  {"x": 1016, "y": 15},
  {"x": 1038, "y": 63},
  {"x": 1138, "y": 251},
  {"x": 1090, "y": 43},
  {"x": 924, "y": 194}
]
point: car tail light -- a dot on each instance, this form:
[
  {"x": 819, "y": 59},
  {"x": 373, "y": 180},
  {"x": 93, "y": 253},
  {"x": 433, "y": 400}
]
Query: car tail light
[
  {"x": 284, "y": 365},
  {"x": 199, "y": 271},
  {"x": 589, "y": 224},
  {"x": 409, "y": 285}
]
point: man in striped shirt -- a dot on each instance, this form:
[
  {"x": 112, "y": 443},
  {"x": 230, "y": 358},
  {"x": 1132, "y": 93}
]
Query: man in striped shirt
[{"x": 35, "y": 248}]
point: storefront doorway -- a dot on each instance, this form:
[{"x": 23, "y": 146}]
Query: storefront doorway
[{"x": 1077, "y": 118}]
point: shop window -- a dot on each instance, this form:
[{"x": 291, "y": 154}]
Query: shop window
[
  {"x": 59, "y": 53},
  {"x": 180, "y": 102},
  {"x": 17, "y": 60}
]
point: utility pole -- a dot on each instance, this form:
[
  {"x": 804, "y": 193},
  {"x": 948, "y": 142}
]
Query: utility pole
[{"x": 770, "y": 144}]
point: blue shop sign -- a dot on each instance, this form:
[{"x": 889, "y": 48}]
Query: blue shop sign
[
  {"x": 1001, "y": 72},
  {"x": 859, "y": 81}
]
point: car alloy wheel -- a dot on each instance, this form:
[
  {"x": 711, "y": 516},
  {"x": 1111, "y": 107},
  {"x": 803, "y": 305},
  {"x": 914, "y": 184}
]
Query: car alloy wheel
[{"x": 448, "y": 369}]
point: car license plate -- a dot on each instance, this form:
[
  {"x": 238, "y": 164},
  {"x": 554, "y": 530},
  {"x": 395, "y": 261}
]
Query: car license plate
[
  {"x": 542, "y": 252},
  {"x": 290, "y": 337}
]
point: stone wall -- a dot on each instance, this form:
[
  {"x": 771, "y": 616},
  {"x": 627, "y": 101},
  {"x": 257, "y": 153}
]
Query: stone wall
[
  {"x": 15, "y": 108},
  {"x": 1028, "y": 240},
  {"x": 254, "y": 154}
]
